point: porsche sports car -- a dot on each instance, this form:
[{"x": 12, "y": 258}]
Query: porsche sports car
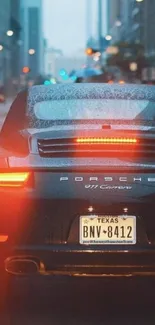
[{"x": 77, "y": 182}]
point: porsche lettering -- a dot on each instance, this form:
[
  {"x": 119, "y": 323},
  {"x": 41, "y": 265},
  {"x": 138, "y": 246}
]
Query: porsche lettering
[{"x": 108, "y": 179}]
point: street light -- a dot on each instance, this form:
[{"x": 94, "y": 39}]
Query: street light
[
  {"x": 53, "y": 81},
  {"x": 118, "y": 23},
  {"x": 96, "y": 58},
  {"x": 1, "y": 47},
  {"x": 32, "y": 51},
  {"x": 108, "y": 37},
  {"x": 9, "y": 32},
  {"x": 112, "y": 50},
  {"x": 89, "y": 51},
  {"x": 133, "y": 66},
  {"x": 26, "y": 70},
  {"x": 139, "y": 0}
]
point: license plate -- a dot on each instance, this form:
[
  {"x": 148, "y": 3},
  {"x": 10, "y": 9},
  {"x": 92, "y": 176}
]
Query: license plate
[{"x": 109, "y": 230}]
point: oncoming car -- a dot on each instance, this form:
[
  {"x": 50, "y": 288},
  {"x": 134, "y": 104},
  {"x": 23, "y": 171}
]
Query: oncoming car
[{"x": 77, "y": 182}]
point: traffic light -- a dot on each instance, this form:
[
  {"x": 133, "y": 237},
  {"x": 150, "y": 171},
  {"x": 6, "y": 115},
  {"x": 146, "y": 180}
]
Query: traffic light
[
  {"x": 26, "y": 70},
  {"x": 47, "y": 82},
  {"x": 90, "y": 51},
  {"x": 62, "y": 72}
]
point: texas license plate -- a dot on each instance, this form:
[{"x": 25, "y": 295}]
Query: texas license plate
[{"x": 110, "y": 230}]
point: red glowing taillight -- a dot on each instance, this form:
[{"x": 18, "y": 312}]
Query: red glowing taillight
[
  {"x": 106, "y": 140},
  {"x": 121, "y": 82},
  {"x": 3, "y": 238},
  {"x": 14, "y": 179}
]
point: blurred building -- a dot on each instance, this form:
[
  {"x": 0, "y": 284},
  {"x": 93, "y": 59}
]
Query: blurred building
[
  {"x": 149, "y": 27},
  {"x": 132, "y": 17},
  {"x": 15, "y": 39},
  {"x": 142, "y": 21},
  {"x": 132, "y": 20},
  {"x": 91, "y": 18},
  {"x": 114, "y": 18},
  {"x": 32, "y": 49},
  {"x": 96, "y": 24},
  {"x": 51, "y": 57},
  {"x": 4, "y": 41},
  {"x": 55, "y": 62}
]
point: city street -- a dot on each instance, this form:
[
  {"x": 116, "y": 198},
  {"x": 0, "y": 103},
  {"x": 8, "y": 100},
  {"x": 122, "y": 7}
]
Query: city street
[
  {"x": 93, "y": 304},
  {"x": 77, "y": 162}
]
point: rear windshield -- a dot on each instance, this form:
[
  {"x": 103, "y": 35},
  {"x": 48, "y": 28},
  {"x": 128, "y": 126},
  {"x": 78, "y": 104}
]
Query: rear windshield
[{"x": 94, "y": 109}]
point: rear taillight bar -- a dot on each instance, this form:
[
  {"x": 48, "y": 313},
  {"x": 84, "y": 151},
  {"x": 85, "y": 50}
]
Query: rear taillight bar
[
  {"x": 3, "y": 238},
  {"x": 106, "y": 140}
]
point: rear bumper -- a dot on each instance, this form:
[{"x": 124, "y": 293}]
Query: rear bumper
[{"x": 67, "y": 260}]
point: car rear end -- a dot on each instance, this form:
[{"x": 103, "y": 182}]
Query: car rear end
[{"x": 80, "y": 200}]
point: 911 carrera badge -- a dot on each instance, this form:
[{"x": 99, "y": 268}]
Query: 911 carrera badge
[
  {"x": 109, "y": 182},
  {"x": 107, "y": 187}
]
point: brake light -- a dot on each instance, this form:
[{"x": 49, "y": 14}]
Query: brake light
[
  {"x": 3, "y": 238},
  {"x": 14, "y": 179},
  {"x": 106, "y": 141}
]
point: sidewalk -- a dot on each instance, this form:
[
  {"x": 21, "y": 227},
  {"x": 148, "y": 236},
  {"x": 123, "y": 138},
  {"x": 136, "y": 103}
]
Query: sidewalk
[{"x": 4, "y": 108}]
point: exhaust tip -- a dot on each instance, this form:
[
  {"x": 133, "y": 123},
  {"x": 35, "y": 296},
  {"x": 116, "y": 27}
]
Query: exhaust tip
[{"x": 22, "y": 266}]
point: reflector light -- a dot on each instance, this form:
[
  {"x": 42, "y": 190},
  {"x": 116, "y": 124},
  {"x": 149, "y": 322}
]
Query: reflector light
[
  {"x": 106, "y": 140},
  {"x": 3, "y": 238},
  {"x": 13, "y": 179}
]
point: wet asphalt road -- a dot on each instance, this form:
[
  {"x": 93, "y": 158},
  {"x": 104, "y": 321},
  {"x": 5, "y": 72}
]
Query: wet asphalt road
[{"x": 88, "y": 302}]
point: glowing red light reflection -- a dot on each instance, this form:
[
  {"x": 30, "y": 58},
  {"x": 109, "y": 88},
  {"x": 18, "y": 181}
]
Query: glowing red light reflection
[{"x": 106, "y": 140}]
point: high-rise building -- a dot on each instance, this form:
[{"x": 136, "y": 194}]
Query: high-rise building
[
  {"x": 15, "y": 26},
  {"x": 88, "y": 19},
  {"x": 132, "y": 21},
  {"x": 52, "y": 55},
  {"x": 114, "y": 19},
  {"x": 142, "y": 21},
  {"x": 91, "y": 18},
  {"x": 32, "y": 49},
  {"x": 9, "y": 44},
  {"x": 4, "y": 41}
]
